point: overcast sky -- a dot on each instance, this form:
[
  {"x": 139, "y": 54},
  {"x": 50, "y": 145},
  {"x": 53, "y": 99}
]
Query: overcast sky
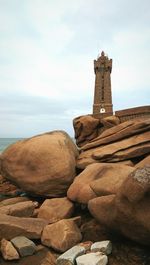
[{"x": 47, "y": 48}]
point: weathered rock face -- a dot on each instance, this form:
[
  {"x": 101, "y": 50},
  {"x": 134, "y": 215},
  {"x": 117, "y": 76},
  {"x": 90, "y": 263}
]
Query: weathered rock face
[
  {"x": 125, "y": 141},
  {"x": 128, "y": 211},
  {"x": 98, "y": 180},
  {"x": 8, "y": 251},
  {"x": 11, "y": 227},
  {"x": 12, "y": 201},
  {"x": 54, "y": 210},
  {"x": 94, "y": 231},
  {"x": 20, "y": 209},
  {"x": 61, "y": 235},
  {"x": 7, "y": 188},
  {"x": 41, "y": 165},
  {"x": 88, "y": 128}
]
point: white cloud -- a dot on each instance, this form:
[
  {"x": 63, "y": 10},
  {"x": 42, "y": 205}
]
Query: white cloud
[{"x": 47, "y": 50}]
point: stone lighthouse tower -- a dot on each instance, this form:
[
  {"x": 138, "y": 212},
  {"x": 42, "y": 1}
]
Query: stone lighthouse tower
[{"x": 102, "y": 106}]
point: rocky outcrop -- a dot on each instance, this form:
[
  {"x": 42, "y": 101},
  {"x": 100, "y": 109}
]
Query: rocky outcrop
[
  {"x": 98, "y": 180},
  {"x": 88, "y": 127},
  {"x": 43, "y": 165},
  {"x": 56, "y": 209},
  {"x": 128, "y": 210},
  {"x": 125, "y": 141}
]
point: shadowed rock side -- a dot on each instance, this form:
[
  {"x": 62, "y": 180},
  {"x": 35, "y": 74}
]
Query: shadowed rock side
[
  {"x": 41, "y": 165},
  {"x": 98, "y": 180},
  {"x": 125, "y": 141},
  {"x": 128, "y": 210},
  {"x": 7, "y": 188}
]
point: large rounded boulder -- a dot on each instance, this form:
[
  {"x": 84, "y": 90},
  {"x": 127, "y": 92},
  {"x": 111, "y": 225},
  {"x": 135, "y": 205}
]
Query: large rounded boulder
[{"x": 43, "y": 165}]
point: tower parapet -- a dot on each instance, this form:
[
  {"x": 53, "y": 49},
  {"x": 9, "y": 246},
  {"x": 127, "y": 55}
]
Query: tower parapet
[{"x": 102, "y": 106}]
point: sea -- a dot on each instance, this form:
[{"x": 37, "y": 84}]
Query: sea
[{"x": 5, "y": 142}]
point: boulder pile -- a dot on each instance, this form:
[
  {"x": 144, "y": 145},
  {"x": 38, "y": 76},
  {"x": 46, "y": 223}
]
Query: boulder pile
[{"x": 78, "y": 205}]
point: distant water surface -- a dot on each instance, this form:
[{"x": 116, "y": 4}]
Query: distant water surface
[{"x": 5, "y": 142}]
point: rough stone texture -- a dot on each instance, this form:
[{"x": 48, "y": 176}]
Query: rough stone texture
[
  {"x": 119, "y": 132},
  {"x": 92, "y": 259},
  {"x": 144, "y": 162},
  {"x": 77, "y": 220},
  {"x": 93, "y": 230},
  {"x": 86, "y": 244},
  {"x": 123, "y": 142},
  {"x": 54, "y": 210},
  {"x": 24, "y": 246},
  {"x": 128, "y": 211},
  {"x": 87, "y": 127},
  {"x": 110, "y": 121},
  {"x": 127, "y": 252},
  {"x": 50, "y": 259},
  {"x": 14, "y": 200},
  {"x": 98, "y": 180},
  {"x": 8, "y": 251},
  {"x": 61, "y": 235},
  {"x": 11, "y": 227},
  {"x": 41, "y": 165},
  {"x": 7, "y": 188},
  {"x": 103, "y": 209},
  {"x": 102, "y": 246},
  {"x": 20, "y": 209},
  {"x": 69, "y": 257},
  {"x": 126, "y": 162},
  {"x": 128, "y": 148}
]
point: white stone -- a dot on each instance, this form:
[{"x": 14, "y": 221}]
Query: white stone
[
  {"x": 102, "y": 246},
  {"x": 68, "y": 258},
  {"x": 96, "y": 258}
]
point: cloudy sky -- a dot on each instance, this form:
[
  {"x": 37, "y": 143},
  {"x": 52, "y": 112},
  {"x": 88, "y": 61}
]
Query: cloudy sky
[{"x": 47, "y": 48}]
